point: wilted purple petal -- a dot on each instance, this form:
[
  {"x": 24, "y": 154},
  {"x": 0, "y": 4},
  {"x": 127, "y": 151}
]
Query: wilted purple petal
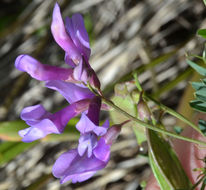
[
  {"x": 71, "y": 92},
  {"x": 87, "y": 142},
  {"x": 40, "y": 71},
  {"x": 62, "y": 37},
  {"x": 72, "y": 166}
]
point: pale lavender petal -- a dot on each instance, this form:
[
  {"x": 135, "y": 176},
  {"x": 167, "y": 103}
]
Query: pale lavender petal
[
  {"x": 40, "y": 71},
  {"x": 102, "y": 150},
  {"x": 99, "y": 131},
  {"x": 37, "y": 131},
  {"x": 71, "y": 92},
  {"x": 85, "y": 125},
  {"x": 87, "y": 142},
  {"x": 61, "y": 36}
]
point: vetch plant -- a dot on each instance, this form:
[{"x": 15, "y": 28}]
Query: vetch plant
[{"x": 80, "y": 86}]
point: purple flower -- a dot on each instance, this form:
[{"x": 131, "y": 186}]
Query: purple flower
[
  {"x": 72, "y": 38},
  {"x": 43, "y": 123},
  {"x": 72, "y": 166}
]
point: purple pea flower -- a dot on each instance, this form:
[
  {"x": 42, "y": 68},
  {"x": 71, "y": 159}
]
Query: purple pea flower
[
  {"x": 71, "y": 166},
  {"x": 43, "y": 123},
  {"x": 71, "y": 37},
  {"x": 92, "y": 153}
]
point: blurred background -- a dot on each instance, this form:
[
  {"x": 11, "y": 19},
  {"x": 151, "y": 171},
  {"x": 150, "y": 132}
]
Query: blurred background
[{"x": 145, "y": 36}]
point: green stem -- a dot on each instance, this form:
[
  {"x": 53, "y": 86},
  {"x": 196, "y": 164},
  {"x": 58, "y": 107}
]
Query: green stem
[
  {"x": 174, "y": 113},
  {"x": 143, "y": 124}
]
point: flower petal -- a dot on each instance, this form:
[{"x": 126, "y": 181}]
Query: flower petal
[
  {"x": 102, "y": 150},
  {"x": 71, "y": 166},
  {"x": 63, "y": 163},
  {"x": 85, "y": 125},
  {"x": 40, "y": 71},
  {"x": 87, "y": 142},
  {"x": 71, "y": 92},
  {"x": 33, "y": 114},
  {"x": 76, "y": 29},
  {"x": 61, "y": 36},
  {"x": 39, "y": 130}
]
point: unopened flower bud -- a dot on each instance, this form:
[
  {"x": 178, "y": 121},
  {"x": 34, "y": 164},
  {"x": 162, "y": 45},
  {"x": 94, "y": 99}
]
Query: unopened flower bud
[
  {"x": 112, "y": 134},
  {"x": 143, "y": 111}
]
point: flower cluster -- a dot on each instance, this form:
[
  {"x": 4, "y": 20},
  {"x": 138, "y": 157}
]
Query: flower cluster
[{"x": 93, "y": 151}]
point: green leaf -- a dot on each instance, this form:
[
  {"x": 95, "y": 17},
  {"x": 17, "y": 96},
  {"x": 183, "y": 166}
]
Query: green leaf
[
  {"x": 201, "y": 94},
  {"x": 202, "y": 32},
  {"x": 202, "y": 126},
  {"x": 198, "y": 85},
  {"x": 204, "y": 1},
  {"x": 158, "y": 175},
  {"x": 198, "y": 105},
  {"x": 9, "y": 150},
  {"x": 167, "y": 162},
  {"x": 127, "y": 105},
  {"x": 199, "y": 69}
]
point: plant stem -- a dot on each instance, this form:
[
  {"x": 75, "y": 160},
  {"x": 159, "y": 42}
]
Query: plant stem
[
  {"x": 143, "y": 124},
  {"x": 174, "y": 113}
]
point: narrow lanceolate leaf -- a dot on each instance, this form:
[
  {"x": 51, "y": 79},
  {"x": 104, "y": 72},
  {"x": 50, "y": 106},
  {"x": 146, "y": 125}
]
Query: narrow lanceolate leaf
[
  {"x": 198, "y": 105},
  {"x": 199, "y": 69},
  {"x": 202, "y": 32},
  {"x": 9, "y": 150},
  {"x": 158, "y": 174},
  {"x": 168, "y": 167}
]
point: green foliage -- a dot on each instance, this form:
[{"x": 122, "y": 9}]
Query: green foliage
[
  {"x": 199, "y": 69},
  {"x": 202, "y": 126},
  {"x": 9, "y": 132},
  {"x": 127, "y": 105},
  {"x": 202, "y": 32},
  {"x": 199, "y": 103},
  {"x": 165, "y": 164},
  {"x": 158, "y": 174},
  {"x": 9, "y": 150}
]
